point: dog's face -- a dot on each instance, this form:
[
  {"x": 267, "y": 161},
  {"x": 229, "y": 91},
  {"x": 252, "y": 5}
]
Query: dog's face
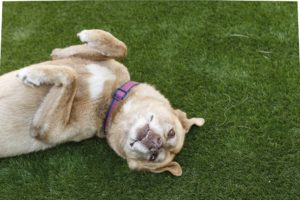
[{"x": 153, "y": 134}]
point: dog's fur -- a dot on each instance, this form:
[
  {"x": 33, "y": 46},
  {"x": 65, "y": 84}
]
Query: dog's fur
[{"x": 66, "y": 99}]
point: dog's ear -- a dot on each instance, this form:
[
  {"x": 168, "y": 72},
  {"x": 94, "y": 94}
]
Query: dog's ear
[
  {"x": 172, "y": 167},
  {"x": 188, "y": 123}
]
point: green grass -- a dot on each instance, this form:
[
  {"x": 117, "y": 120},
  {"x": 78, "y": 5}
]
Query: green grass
[{"x": 233, "y": 63}]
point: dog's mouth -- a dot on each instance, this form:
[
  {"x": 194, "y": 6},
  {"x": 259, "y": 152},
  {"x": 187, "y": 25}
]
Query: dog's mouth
[
  {"x": 150, "y": 155},
  {"x": 147, "y": 142}
]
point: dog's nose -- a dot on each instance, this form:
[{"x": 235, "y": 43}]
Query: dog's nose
[{"x": 152, "y": 141}]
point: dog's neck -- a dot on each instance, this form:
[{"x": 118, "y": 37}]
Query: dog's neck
[
  {"x": 118, "y": 99},
  {"x": 113, "y": 134}
]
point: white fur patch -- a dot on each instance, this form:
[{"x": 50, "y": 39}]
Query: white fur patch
[
  {"x": 83, "y": 36},
  {"x": 156, "y": 126},
  {"x": 127, "y": 106},
  {"x": 99, "y": 75},
  {"x": 29, "y": 78},
  {"x": 139, "y": 147},
  {"x": 23, "y": 73},
  {"x": 172, "y": 141},
  {"x": 161, "y": 156}
]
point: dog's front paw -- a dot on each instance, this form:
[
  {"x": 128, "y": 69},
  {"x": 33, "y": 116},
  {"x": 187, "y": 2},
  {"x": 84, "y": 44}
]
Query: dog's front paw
[{"x": 31, "y": 77}]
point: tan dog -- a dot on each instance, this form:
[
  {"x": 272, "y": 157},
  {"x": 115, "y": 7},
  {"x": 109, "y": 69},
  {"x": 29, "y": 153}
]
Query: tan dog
[{"x": 66, "y": 99}]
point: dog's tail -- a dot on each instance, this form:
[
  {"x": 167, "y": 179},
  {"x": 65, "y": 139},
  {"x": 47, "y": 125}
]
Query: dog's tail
[
  {"x": 99, "y": 45},
  {"x": 104, "y": 42}
]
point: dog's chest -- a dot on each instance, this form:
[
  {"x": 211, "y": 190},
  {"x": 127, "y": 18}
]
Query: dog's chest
[{"x": 99, "y": 74}]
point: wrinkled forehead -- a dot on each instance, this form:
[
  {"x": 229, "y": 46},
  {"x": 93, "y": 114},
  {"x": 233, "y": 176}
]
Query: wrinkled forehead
[
  {"x": 160, "y": 112},
  {"x": 165, "y": 115},
  {"x": 152, "y": 104}
]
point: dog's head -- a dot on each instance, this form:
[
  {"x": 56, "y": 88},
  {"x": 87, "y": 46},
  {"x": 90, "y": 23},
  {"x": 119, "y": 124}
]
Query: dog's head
[{"x": 148, "y": 132}]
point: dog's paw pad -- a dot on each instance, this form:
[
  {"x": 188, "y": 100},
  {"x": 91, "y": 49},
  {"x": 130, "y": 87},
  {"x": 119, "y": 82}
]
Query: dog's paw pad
[{"x": 29, "y": 77}]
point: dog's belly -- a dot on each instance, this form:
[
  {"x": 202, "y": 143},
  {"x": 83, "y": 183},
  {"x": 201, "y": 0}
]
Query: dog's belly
[{"x": 18, "y": 104}]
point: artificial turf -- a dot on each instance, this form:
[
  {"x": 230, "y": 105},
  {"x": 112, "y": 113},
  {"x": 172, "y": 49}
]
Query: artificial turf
[{"x": 233, "y": 63}]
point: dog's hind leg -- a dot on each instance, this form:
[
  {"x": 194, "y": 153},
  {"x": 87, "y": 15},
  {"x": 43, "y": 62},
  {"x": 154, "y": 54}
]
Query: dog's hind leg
[
  {"x": 53, "y": 115},
  {"x": 100, "y": 45},
  {"x": 79, "y": 51}
]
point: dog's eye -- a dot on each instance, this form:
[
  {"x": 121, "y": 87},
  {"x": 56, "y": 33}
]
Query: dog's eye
[{"x": 171, "y": 133}]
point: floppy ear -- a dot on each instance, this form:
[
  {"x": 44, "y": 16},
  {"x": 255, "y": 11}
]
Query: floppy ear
[
  {"x": 188, "y": 123},
  {"x": 172, "y": 167}
]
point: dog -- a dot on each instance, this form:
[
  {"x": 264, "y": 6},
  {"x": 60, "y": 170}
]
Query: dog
[{"x": 68, "y": 98}]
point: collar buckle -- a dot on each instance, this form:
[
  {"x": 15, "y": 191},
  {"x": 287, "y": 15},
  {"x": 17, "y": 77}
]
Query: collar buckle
[{"x": 120, "y": 94}]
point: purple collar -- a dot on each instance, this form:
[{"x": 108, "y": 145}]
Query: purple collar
[{"x": 119, "y": 94}]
